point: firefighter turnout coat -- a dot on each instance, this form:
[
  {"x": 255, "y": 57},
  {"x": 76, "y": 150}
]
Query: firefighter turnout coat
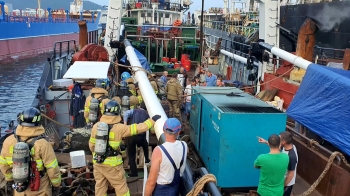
[
  {"x": 111, "y": 170},
  {"x": 98, "y": 92},
  {"x": 43, "y": 154}
]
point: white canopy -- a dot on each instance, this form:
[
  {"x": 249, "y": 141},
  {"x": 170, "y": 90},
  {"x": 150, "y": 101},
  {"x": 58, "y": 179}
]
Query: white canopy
[{"x": 87, "y": 70}]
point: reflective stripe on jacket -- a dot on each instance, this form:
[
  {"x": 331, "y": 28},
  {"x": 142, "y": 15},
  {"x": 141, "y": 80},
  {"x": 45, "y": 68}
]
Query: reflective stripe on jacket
[{"x": 116, "y": 134}]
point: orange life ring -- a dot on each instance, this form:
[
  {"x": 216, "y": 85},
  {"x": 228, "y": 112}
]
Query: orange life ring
[{"x": 177, "y": 23}]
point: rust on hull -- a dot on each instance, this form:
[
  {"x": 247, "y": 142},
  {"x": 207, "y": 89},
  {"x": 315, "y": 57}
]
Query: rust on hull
[
  {"x": 313, "y": 161},
  {"x": 306, "y": 40},
  {"x": 305, "y": 47}
]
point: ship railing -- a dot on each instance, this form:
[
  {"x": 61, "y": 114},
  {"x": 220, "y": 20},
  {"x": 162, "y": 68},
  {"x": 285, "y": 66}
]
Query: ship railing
[
  {"x": 34, "y": 19},
  {"x": 161, "y": 6},
  {"x": 324, "y": 55},
  {"x": 62, "y": 52},
  {"x": 161, "y": 26},
  {"x": 230, "y": 45}
]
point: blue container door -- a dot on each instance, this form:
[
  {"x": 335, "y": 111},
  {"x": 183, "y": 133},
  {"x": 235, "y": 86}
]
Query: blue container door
[
  {"x": 209, "y": 146},
  {"x": 195, "y": 120}
]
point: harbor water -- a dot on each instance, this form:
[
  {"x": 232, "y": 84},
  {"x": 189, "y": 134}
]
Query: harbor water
[{"x": 18, "y": 85}]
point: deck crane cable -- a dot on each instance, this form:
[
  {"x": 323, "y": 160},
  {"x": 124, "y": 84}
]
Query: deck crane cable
[
  {"x": 323, "y": 174},
  {"x": 244, "y": 88}
]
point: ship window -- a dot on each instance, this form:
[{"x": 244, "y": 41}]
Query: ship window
[
  {"x": 149, "y": 14},
  {"x": 247, "y": 109},
  {"x": 167, "y": 15}
]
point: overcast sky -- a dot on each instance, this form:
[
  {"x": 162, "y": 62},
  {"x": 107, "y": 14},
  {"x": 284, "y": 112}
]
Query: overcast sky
[{"x": 195, "y": 6}]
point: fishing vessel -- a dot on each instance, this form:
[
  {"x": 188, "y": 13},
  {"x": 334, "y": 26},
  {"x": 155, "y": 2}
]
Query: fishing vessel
[
  {"x": 213, "y": 131},
  {"x": 27, "y": 33}
]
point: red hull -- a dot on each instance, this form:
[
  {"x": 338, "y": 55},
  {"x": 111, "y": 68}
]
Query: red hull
[
  {"x": 286, "y": 91},
  {"x": 13, "y": 50}
]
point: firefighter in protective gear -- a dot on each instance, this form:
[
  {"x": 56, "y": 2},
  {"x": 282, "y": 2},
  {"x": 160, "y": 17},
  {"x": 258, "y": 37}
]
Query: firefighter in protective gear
[
  {"x": 152, "y": 79},
  {"x": 117, "y": 99},
  {"x": 166, "y": 106},
  {"x": 131, "y": 86},
  {"x": 134, "y": 101},
  {"x": 123, "y": 90},
  {"x": 139, "y": 95},
  {"x": 100, "y": 93},
  {"x": 125, "y": 75},
  {"x": 174, "y": 93},
  {"x": 29, "y": 130},
  {"x": 110, "y": 170}
]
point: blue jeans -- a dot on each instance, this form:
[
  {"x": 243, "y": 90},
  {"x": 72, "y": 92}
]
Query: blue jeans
[{"x": 188, "y": 108}]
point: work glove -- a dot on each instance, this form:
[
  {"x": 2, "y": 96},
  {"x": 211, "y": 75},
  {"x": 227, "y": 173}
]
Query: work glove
[
  {"x": 55, "y": 191},
  {"x": 156, "y": 117}
]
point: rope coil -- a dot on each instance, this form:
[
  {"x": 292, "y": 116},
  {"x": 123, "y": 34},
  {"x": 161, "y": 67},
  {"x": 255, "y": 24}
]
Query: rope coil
[{"x": 199, "y": 185}]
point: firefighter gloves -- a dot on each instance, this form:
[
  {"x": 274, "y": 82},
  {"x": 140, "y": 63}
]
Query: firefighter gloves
[{"x": 156, "y": 117}]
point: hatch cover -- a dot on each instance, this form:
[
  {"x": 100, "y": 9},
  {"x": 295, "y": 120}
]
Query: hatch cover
[
  {"x": 245, "y": 109},
  {"x": 88, "y": 70}
]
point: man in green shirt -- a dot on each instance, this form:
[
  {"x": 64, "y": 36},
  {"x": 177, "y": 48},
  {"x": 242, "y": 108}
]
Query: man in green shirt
[{"x": 273, "y": 167}]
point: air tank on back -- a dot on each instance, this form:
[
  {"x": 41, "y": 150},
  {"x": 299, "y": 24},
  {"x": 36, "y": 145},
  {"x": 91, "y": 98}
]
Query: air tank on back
[
  {"x": 125, "y": 104},
  {"x": 21, "y": 160},
  {"x": 93, "y": 110},
  {"x": 101, "y": 138}
]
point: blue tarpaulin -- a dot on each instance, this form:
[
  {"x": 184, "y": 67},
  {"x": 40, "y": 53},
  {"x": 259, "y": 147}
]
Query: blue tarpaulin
[
  {"x": 142, "y": 59},
  {"x": 322, "y": 104}
]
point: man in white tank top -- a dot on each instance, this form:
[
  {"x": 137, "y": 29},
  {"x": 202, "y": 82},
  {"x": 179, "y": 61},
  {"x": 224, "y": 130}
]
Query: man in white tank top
[{"x": 167, "y": 163}]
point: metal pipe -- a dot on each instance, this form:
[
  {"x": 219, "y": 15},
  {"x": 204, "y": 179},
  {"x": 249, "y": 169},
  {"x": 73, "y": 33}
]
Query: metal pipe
[
  {"x": 148, "y": 94},
  {"x": 149, "y": 45},
  {"x": 201, "y": 35},
  {"x": 243, "y": 44},
  {"x": 295, "y": 60},
  {"x": 184, "y": 38},
  {"x": 140, "y": 36},
  {"x": 175, "y": 52},
  {"x": 167, "y": 39},
  {"x": 83, "y": 34},
  {"x": 236, "y": 57}
]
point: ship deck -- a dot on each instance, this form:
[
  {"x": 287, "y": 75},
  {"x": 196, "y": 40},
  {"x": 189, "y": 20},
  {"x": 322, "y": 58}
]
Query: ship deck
[{"x": 136, "y": 184}]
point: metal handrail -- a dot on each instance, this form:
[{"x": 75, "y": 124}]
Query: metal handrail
[{"x": 60, "y": 43}]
